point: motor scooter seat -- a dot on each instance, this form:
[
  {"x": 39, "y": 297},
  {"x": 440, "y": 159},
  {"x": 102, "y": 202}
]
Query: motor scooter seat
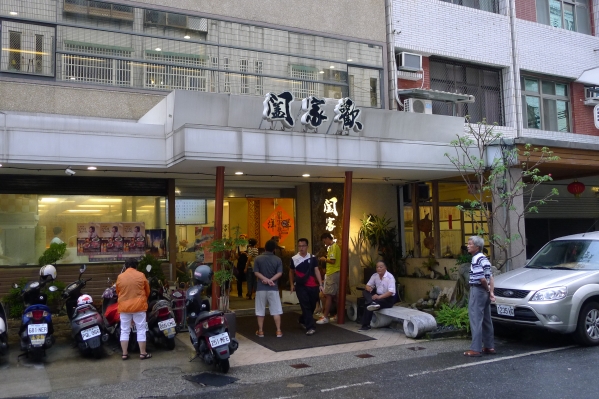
[
  {"x": 112, "y": 313},
  {"x": 207, "y": 315}
]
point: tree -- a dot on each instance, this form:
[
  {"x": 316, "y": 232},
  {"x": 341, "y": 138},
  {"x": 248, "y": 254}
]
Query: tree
[{"x": 497, "y": 174}]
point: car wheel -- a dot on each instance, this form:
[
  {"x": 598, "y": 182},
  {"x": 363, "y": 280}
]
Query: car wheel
[{"x": 587, "y": 330}]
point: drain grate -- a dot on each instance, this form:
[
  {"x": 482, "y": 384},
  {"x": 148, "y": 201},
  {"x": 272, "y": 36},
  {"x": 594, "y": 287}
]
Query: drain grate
[
  {"x": 364, "y": 356},
  {"x": 299, "y": 366},
  {"x": 416, "y": 348},
  {"x": 215, "y": 380}
]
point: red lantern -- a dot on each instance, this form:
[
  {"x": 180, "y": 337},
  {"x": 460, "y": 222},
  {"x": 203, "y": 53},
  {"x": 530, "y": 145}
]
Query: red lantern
[{"x": 576, "y": 188}]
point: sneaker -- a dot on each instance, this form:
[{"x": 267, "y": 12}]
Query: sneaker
[
  {"x": 322, "y": 320},
  {"x": 373, "y": 306},
  {"x": 364, "y": 328},
  {"x": 333, "y": 319},
  {"x": 310, "y": 331}
]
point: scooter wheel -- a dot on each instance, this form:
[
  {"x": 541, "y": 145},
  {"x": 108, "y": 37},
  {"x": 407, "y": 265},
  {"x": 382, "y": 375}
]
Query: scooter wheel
[
  {"x": 98, "y": 352},
  {"x": 170, "y": 344},
  {"x": 223, "y": 366}
]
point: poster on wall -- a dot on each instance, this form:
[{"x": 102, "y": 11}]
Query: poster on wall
[
  {"x": 95, "y": 239},
  {"x": 156, "y": 242},
  {"x": 204, "y": 237},
  {"x": 279, "y": 223}
]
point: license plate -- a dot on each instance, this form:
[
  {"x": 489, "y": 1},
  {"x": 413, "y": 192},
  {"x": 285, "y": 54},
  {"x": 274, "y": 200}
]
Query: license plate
[
  {"x": 220, "y": 339},
  {"x": 163, "y": 325},
  {"x": 505, "y": 310},
  {"x": 34, "y": 329},
  {"x": 90, "y": 333},
  {"x": 37, "y": 340}
]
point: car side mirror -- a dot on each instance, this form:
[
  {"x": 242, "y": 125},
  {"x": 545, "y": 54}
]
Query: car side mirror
[{"x": 53, "y": 288}]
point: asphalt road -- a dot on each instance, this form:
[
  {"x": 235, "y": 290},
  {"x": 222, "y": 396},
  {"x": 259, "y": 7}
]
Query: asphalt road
[{"x": 528, "y": 365}]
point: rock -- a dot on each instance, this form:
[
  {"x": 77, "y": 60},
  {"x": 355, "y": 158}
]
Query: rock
[
  {"x": 430, "y": 302},
  {"x": 434, "y": 292},
  {"x": 419, "y": 301}
]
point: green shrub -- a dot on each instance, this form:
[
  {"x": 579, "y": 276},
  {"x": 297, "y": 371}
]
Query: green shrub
[
  {"x": 156, "y": 269},
  {"x": 52, "y": 254},
  {"x": 451, "y": 315},
  {"x": 13, "y": 300}
]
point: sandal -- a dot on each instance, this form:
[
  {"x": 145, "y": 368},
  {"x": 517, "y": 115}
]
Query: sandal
[
  {"x": 279, "y": 333},
  {"x": 260, "y": 334},
  {"x": 125, "y": 356},
  {"x": 144, "y": 356},
  {"x": 489, "y": 351},
  {"x": 472, "y": 354}
]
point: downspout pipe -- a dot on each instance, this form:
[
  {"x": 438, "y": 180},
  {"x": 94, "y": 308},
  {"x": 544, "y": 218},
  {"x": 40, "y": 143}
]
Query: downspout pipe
[
  {"x": 391, "y": 66},
  {"x": 515, "y": 69}
]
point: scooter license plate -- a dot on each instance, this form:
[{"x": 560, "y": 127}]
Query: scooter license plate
[
  {"x": 220, "y": 339},
  {"x": 35, "y": 329},
  {"x": 163, "y": 325},
  {"x": 90, "y": 333}
]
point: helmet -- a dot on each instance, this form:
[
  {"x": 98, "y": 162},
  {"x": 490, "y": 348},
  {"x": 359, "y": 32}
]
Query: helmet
[
  {"x": 48, "y": 272},
  {"x": 84, "y": 299},
  {"x": 202, "y": 275}
]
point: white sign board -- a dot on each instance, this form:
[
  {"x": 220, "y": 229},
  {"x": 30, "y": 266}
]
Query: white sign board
[{"x": 596, "y": 116}]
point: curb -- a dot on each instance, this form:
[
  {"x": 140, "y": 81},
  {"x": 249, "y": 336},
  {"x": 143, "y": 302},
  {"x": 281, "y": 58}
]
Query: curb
[{"x": 461, "y": 333}]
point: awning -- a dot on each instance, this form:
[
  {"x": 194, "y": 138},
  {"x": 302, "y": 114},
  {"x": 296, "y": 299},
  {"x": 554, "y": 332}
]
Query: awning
[
  {"x": 436, "y": 95},
  {"x": 589, "y": 77}
]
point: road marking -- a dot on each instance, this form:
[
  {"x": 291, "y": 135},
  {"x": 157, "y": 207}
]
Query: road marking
[
  {"x": 492, "y": 360},
  {"x": 347, "y": 386}
]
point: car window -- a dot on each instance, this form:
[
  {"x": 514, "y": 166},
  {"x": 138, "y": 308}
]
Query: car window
[{"x": 567, "y": 254}]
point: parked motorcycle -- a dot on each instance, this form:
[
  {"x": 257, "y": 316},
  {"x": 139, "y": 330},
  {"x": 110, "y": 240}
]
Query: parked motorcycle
[
  {"x": 36, "y": 323},
  {"x": 160, "y": 316},
  {"x": 3, "y": 332},
  {"x": 208, "y": 331},
  {"x": 87, "y": 326}
]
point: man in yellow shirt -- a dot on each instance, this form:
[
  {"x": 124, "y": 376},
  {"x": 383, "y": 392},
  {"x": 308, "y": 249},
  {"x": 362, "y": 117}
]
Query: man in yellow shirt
[
  {"x": 133, "y": 290},
  {"x": 331, "y": 283}
]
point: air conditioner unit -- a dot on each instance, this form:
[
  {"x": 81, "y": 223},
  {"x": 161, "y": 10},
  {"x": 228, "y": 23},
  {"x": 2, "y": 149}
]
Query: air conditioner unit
[
  {"x": 591, "y": 96},
  {"x": 409, "y": 62},
  {"x": 418, "y": 106}
]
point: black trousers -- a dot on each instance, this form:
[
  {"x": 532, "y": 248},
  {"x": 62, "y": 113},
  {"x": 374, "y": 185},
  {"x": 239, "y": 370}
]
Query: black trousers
[
  {"x": 367, "y": 315},
  {"x": 307, "y": 297}
]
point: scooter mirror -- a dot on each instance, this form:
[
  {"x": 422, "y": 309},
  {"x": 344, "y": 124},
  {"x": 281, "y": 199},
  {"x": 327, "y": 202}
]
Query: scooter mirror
[
  {"x": 148, "y": 268},
  {"x": 53, "y": 288},
  {"x": 82, "y": 269}
]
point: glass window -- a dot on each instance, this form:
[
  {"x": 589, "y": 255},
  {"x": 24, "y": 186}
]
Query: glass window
[
  {"x": 482, "y": 82},
  {"x": 572, "y": 15},
  {"x": 27, "y": 49},
  {"x": 485, "y": 5},
  {"x": 548, "y": 111}
]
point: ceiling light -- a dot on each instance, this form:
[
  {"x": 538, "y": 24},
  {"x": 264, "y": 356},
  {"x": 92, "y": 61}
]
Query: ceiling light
[
  {"x": 104, "y": 200},
  {"x": 349, "y": 60},
  {"x": 13, "y": 13},
  {"x": 306, "y": 175},
  {"x": 94, "y": 206},
  {"x": 0, "y": 165},
  {"x": 83, "y": 210},
  {"x": 73, "y": 78},
  {"x": 158, "y": 49},
  {"x": 238, "y": 173},
  {"x": 332, "y": 67},
  {"x": 321, "y": 72},
  {"x": 186, "y": 37},
  {"x": 91, "y": 168},
  {"x": 47, "y": 199}
]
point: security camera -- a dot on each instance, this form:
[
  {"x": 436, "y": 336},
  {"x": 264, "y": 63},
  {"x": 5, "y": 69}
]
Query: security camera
[{"x": 69, "y": 171}]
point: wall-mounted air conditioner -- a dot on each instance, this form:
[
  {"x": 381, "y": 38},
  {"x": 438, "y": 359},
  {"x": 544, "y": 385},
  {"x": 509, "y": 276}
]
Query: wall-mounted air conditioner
[
  {"x": 418, "y": 106},
  {"x": 591, "y": 96},
  {"x": 409, "y": 62}
]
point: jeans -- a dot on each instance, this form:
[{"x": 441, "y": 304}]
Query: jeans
[{"x": 307, "y": 297}]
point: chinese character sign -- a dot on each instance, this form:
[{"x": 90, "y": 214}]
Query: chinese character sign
[
  {"x": 279, "y": 223},
  {"x": 346, "y": 115},
  {"x": 313, "y": 113},
  {"x": 277, "y": 108}
]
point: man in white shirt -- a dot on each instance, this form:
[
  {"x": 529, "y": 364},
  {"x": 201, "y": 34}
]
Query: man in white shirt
[{"x": 379, "y": 293}]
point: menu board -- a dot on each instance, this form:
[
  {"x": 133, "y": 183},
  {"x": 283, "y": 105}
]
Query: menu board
[{"x": 95, "y": 239}]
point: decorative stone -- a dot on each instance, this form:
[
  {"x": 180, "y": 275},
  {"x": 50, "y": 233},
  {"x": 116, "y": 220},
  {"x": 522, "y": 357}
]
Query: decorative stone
[
  {"x": 434, "y": 292},
  {"x": 415, "y": 323},
  {"x": 430, "y": 302}
]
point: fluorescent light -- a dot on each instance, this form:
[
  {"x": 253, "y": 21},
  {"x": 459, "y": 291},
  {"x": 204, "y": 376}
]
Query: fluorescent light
[
  {"x": 84, "y": 210},
  {"x": 349, "y": 60},
  {"x": 158, "y": 49},
  {"x": 94, "y": 206},
  {"x": 186, "y": 37},
  {"x": 0, "y": 165},
  {"x": 47, "y": 199},
  {"x": 91, "y": 168},
  {"x": 332, "y": 67},
  {"x": 321, "y": 72},
  {"x": 112, "y": 200},
  {"x": 238, "y": 173},
  {"x": 13, "y": 13},
  {"x": 306, "y": 175},
  {"x": 72, "y": 78}
]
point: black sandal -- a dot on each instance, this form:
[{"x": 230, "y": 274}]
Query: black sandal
[
  {"x": 144, "y": 356},
  {"x": 125, "y": 356}
]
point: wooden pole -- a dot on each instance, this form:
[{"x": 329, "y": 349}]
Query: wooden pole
[
  {"x": 436, "y": 220},
  {"x": 218, "y": 228},
  {"x": 344, "y": 272}
]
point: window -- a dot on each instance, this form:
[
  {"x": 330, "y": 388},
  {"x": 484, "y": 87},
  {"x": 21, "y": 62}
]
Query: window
[
  {"x": 546, "y": 104},
  {"x": 485, "y": 5},
  {"x": 259, "y": 69},
  {"x": 27, "y": 48},
  {"x": 103, "y": 70},
  {"x": 175, "y": 77},
  {"x": 572, "y": 15},
  {"x": 304, "y": 89},
  {"x": 483, "y": 83},
  {"x": 227, "y": 88},
  {"x": 245, "y": 84}
]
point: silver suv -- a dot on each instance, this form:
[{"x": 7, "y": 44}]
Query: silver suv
[{"x": 558, "y": 289}]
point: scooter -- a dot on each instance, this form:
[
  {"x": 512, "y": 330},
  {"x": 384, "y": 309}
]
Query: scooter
[
  {"x": 36, "y": 323},
  {"x": 87, "y": 326},
  {"x": 160, "y": 316},
  {"x": 3, "y": 332},
  {"x": 208, "y": 331}
]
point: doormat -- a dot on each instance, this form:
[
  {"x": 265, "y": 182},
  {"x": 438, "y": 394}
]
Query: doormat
[
  {"x": 214, "y": 380},
  {"x": 294, "y": 336}
]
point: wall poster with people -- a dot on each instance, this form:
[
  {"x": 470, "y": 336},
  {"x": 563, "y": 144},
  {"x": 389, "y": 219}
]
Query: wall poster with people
[{"x": 118, "y": 238}]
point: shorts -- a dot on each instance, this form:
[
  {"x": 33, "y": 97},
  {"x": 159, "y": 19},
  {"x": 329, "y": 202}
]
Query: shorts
[
  {"x": 273, "y": 300},
  {"x": 331, "y": 284}
]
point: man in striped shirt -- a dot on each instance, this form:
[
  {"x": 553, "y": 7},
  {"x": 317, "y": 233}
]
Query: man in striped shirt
[{"x": 479, "y": 305}]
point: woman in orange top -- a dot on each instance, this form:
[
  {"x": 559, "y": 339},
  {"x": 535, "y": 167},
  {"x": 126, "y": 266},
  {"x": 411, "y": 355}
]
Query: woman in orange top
[{"x": 133, "y": 290}]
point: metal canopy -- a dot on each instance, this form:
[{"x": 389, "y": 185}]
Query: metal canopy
[
  {"x": 436, "y": 95},
  {"x": 589, "y": 77}
]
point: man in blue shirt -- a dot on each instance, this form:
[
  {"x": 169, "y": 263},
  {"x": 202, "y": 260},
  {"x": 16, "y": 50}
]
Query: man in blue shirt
[{"x": 479, "y": 304}]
